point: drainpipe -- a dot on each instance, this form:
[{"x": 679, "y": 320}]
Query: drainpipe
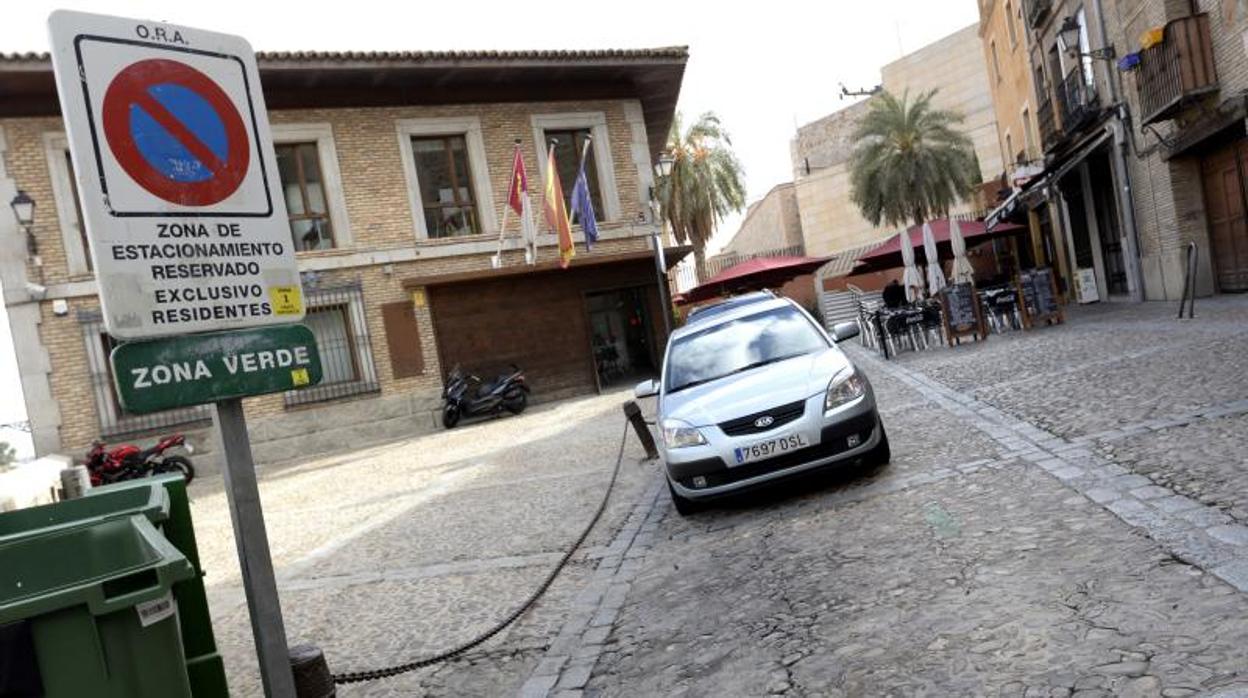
[
  {"x": 1135, "y": 279},
  {"x": 1118, "y": 128}
]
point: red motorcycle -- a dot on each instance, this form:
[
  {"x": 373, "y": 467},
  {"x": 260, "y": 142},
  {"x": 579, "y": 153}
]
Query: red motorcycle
[{"x": 129, "y": 462}]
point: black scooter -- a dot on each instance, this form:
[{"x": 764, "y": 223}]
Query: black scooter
[{"x": 467, "y": 395}]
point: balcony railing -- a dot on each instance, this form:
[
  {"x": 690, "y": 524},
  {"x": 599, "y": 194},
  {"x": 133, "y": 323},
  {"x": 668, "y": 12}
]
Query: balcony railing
[
  {"x": 1037, "y": 10},
  {"x": 1046, "y": 119},
  {"x": 1077, "y": 100},
  {"x": 1177, "y": 70}
]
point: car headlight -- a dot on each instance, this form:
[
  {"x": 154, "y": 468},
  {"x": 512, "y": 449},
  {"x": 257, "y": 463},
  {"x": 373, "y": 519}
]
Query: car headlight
[
  {"x": 846, "y": 386},
  {"x": 677, "y": 434}
]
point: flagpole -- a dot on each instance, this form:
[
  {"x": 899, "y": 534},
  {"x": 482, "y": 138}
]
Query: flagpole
[{"x": 502, "y": 231}]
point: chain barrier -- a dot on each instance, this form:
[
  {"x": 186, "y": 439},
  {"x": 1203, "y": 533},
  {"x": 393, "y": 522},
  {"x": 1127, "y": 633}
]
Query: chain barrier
[{"x": 397, "y": 669}]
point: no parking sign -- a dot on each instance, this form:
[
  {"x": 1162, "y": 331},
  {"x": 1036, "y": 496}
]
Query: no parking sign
[
  {"x": 179, "y": 188},
  {"x": 175, "y": 132},
  {"x": 177, "y": 177}
]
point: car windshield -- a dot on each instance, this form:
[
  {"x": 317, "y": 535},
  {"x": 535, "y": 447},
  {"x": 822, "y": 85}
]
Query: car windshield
[{"x": 736, "y": 346}]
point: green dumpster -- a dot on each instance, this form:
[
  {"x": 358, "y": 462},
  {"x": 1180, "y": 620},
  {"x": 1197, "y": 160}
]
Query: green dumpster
[
  {"x": 95, "y": 600},
  {"x": 203, "y": 663}
]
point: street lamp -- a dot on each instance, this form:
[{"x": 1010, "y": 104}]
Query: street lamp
[
  {"x": 24, "y": 210},
  {"x": 662, "y": 169},
  {"x": 1068, "y": 36}
]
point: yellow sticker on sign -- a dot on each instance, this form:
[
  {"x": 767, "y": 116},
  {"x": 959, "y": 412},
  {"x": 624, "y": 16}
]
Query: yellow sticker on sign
[
  {"x": 299, "y": 377},
  {"x": 286, "y": 300}
]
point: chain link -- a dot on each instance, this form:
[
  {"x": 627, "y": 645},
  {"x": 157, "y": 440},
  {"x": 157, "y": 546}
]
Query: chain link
[{"x": 387, "y": 672}]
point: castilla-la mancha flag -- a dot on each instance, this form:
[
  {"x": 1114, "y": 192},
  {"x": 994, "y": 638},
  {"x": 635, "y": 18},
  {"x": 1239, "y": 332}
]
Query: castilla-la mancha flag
[
  {"x": 518, "y": 200},
  {"x": 557, "y": 212}
]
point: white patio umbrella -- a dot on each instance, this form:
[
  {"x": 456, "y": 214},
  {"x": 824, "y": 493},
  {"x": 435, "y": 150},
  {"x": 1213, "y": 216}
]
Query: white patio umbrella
[
  {"x": 910, "y": 278},
  {"x": 963, "y": 273},
  {"x": 935, "y": 275}
]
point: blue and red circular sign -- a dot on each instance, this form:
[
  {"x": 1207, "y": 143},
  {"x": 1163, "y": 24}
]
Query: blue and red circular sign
[{"x": 176, "y": 132}]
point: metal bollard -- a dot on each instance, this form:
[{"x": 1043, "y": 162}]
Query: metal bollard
[
  {"x": 311, "y": 672},
  {"x": 633, "y": 412},
  {"x": 75, "y": 481}
]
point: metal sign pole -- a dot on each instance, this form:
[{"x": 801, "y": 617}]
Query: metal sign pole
[{"x": 253, "y": 550}]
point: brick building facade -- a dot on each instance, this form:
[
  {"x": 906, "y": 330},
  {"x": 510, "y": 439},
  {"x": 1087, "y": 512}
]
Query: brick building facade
[
  {"x": 1141, "y": 116},
  {"x": 1189, "y": 140},
  {"x": 391, "y": 232}
]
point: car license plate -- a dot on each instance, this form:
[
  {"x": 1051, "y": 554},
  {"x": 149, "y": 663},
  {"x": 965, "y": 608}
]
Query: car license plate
[{"x": 770, "y": 448}]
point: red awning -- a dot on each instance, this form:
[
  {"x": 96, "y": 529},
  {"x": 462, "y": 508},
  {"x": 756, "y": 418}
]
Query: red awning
[
  {"x": 888, "y": 255},
  {"x": 752, "y": 275}
]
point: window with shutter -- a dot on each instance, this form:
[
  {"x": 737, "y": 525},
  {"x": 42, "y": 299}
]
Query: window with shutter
[{"x": 407, "y": 359}]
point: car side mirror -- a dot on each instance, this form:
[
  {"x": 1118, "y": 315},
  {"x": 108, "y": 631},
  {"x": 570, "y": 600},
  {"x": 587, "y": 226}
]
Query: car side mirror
[
  {"x": 842, "y": 331},
  {"x": 648, "y": 388}
]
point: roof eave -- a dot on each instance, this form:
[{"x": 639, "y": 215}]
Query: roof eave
[{"x": 326, "y": 80}]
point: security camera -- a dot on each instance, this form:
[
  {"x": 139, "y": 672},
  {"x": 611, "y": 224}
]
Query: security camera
[
  {"x": 36, "y": 291},
  {"x": 60, "y": 307}
]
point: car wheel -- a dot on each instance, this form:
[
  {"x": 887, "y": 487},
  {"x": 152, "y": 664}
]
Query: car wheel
[
  {"x": 684, "y": 506},
  {"x": 881, "y": 454}
]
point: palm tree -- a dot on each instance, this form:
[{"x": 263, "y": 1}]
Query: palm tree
[
  {"x": 911, "y": 164},
  {"x": 705, "y": 184}
]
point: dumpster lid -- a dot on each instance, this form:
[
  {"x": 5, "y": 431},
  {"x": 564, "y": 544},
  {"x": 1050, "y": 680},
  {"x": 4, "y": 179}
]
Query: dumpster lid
[
  {"x": 108, "y": 564},
  {"x": 150, "y": 500}
]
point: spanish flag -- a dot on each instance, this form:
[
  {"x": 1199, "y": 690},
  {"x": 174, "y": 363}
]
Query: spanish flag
[{"x": 556, "y": 211}]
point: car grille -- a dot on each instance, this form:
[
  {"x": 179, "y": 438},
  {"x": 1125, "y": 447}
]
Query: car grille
[{"x": 780, "y": 416}]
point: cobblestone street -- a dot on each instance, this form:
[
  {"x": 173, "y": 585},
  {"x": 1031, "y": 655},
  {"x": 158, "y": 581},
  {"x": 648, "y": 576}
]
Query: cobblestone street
[
  {"x": 397, "y": 552},
  {"x": 1064, "y": 515},
  {"x": 1031, "y": 538}
]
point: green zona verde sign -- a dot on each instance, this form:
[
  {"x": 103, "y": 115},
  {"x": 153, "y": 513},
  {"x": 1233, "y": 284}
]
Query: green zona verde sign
[{"x": 195, "y": 369}]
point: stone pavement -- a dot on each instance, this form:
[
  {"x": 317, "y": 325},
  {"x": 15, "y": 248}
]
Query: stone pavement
[
  {"x": 1065, "y": 514},
  {"x": 1011, "y": 549},
  {"x": 397, "y": 552}
]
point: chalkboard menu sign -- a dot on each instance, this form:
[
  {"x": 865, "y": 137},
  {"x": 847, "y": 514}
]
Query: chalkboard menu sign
[
  {"x": 1038, "y": 292},
  {"x": 962, "y": 312},
  {"x": 959, "y": 301}
]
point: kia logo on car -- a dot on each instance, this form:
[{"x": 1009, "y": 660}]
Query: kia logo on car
[{"x": 764, "y": 421}]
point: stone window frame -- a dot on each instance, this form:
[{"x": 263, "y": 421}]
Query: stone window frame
[
  {"x": 483, "y": 191},
  {"x": 331, "y": 174},
  {"x": 1030, "y": 138},
  {"x": 596, "y": 122},
  {"x": 55, "y": 146}
]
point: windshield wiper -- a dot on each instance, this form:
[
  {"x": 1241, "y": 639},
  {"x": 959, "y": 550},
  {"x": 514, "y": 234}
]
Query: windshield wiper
[
  {"x": 691, "y": 384},
  {"x": 747, "y": 367},
  {"x": 759, "y": 364}
]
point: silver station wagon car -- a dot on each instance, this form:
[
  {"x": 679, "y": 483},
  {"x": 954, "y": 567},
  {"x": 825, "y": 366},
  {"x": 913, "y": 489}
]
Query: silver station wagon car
[{"x": 753, "y": 390}]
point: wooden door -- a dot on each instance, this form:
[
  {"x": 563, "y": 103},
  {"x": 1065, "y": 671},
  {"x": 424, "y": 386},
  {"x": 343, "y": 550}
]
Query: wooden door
[{"x": 1223, "y": 174}]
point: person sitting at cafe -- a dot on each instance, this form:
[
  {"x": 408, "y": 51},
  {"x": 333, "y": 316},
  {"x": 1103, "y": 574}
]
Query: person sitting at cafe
[{"x": 894, "y": 295}]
